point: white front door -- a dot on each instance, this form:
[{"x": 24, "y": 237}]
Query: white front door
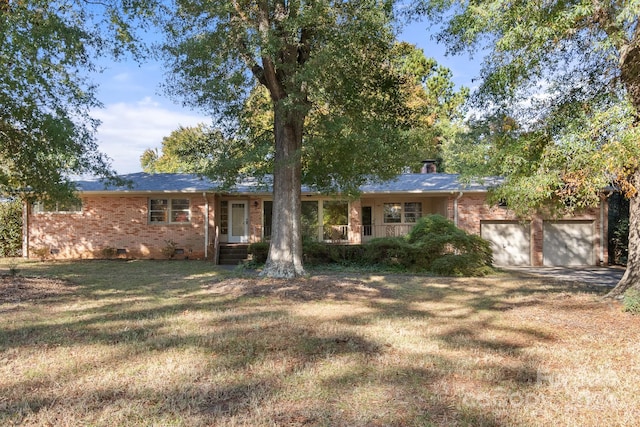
[{"x": 238, "y": 222}]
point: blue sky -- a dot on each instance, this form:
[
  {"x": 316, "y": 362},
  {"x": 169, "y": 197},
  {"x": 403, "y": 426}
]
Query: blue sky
[{"x": 136, "y": 115}]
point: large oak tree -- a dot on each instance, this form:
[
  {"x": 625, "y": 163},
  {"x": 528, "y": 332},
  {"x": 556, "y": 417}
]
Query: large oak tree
[
  {"x": 560, "y": 101},
  {"x": 325, "y": 61}
]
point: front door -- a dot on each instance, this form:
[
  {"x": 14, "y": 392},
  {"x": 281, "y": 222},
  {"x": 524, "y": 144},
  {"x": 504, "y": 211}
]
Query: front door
[
  {"x": 238, "y": 222},
  {"x": 367, "y": 223}
]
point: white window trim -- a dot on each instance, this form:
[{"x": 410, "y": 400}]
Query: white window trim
[
  {"x": 169, "y": 211},
  {"x": 403, "y": 212}
]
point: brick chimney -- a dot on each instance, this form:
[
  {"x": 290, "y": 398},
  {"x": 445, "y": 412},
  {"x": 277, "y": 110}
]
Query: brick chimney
[{"x": 428, "y": 166}]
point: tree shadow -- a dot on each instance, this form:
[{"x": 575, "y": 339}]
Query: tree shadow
[{"x": 266, "y": 340}]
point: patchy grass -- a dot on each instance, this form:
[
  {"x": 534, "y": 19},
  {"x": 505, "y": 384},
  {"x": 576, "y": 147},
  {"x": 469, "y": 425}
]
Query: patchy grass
[{"x": 178, "y": 343}]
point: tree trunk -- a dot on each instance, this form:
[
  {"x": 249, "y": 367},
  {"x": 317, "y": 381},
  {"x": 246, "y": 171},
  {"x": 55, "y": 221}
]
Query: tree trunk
[
  {"x": 630, "y": 76},
  {"x": 285, "y": 250},
  {"x": 631, "y": 278}
]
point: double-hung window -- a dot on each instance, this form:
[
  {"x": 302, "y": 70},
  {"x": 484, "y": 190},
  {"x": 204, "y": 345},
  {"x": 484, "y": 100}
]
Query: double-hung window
[
  {"x": 392, "y": 213},
  {"x": 407, "y": 213},
  {"x": 169, "y": 210},
  {"x": 412, "y": 212}
]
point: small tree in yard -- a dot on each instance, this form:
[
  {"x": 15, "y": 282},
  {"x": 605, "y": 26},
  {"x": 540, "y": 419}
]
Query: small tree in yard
[{"x": 561, "y": 94}]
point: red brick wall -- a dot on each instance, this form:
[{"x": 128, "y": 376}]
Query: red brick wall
[
  {"x": 119, "y": 222},
  {"x": 355, "y": 222},
  {"x": 255, "y": 219}
]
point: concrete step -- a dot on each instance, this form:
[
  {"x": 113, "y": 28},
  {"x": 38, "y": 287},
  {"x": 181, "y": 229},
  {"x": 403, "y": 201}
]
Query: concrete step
[{"x": 233, "y": 254}]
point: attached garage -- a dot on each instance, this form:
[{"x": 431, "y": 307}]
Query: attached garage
[
  {"x": 567, "y": 243},
  {"x": 510, "y": 241}
]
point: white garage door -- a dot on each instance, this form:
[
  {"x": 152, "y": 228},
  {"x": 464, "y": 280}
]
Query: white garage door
[
  {"x": 568, "y": 243},
  {"x": 510, "y": 242}
]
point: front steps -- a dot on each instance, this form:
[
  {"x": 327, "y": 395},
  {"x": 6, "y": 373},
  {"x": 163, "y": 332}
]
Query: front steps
[{"x": 233, "y": 253}]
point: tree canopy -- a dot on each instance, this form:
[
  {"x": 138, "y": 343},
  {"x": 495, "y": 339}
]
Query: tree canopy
[
  {"x": 185, "y": 150},
  {"x": 339, "y": 112},
  {"x": 433, "y": 108},
  {"x": 46, "y": 131},
  {"x": 560, "y": 99}
]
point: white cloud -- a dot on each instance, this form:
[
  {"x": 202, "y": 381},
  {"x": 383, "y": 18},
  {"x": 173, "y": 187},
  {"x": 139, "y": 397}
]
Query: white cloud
[
  {"x": 128, "y": 129},
  {"x": 122, "y": 78}
]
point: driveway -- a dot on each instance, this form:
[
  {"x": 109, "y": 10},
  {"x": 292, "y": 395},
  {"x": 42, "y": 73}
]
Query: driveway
[{"x": 600, "y": 276}]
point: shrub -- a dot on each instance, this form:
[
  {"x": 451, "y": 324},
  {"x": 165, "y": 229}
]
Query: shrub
[
  {"x": 13, "y": 268},
  {"x": 10, "y": 228},
  {"x": 620, "y": 241},
  {"x": 109, "y": 252},
  {"x": 314, "y": 252},
  {"x": 438, "y": 239},
  {"x": 169, "y": 250},
  {"x": 259, "y": 252},
  {"x": 390, "y": 251},
  {"x": 631, "y": 301},
  {"x": 459, "y": 265},
  {"x": 42, "y": 253},
  {"x": 345, "y": 254}
]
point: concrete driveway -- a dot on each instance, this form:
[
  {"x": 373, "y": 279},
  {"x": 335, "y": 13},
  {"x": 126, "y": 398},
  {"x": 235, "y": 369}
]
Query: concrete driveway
[{"x": 600, "y": 276}]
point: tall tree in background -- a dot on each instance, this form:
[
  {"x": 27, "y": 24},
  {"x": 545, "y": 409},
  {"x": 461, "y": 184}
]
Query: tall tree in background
[
  {"x": 433, "y": 108},
  {"x": 185, "y": 150},
  {"x": 433, "y": 102},
  {"x": 324, "y": 56},
  {"x": 46, "y": 132},
  {"x": 560, "y": 96}
]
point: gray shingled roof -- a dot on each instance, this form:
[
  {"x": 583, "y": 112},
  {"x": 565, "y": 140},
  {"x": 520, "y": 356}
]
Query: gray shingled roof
[
  {"x": 428, "y": 183},
  {"x": 191, "y": 183}
]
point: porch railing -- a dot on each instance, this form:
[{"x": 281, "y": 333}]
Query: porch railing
[
  {"x": 329, "y": 233},
  {"x": 386, "y": 230}
]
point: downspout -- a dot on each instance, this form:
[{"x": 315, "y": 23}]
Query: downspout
[
  {"x": 206, "y": 225},
  {"x": 25, "y": 229},
  {"x": 455, "y": 209},
  {"x": 601, "y": 232}
]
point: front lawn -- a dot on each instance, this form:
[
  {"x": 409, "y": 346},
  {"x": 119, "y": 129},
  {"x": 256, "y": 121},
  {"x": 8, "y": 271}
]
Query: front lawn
[{"x": 182, "y": 343}]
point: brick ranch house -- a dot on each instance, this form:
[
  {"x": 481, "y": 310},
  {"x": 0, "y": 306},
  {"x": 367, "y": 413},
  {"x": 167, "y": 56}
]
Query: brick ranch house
[{"x": 199, "y": 218}]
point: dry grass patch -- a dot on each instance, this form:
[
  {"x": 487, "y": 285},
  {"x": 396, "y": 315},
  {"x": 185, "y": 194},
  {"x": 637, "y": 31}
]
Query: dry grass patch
[{"x": 181, "y": 343}]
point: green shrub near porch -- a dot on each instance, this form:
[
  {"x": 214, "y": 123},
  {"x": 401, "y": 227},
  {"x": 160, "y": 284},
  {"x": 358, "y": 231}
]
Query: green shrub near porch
[
  {"x": 434, "y": 245},
  {"x": 10, "y": 228}
]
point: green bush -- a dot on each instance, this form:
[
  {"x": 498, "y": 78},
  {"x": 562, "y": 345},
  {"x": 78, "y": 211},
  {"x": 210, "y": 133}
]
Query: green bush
[
  {"x": 620, "y": 241},
  {"x": 631, "y": 301},
  {"x": 345, "y": 254},
  {"x": 459, "y": 265},
  {"x": 259, "y": 252},
  {"x": 10, "y": 228},
  {"x": 390, "y": 251},
  {"x": 456, "y": 251},
  {"x": 314, "y": 252},
  {"x": 435, "y": 244}
]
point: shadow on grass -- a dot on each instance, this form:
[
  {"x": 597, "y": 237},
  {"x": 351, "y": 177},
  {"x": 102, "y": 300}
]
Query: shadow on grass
[{"x": 327, "y": 350}]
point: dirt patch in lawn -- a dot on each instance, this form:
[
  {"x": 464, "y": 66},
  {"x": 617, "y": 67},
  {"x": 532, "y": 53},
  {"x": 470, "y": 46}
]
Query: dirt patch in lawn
[
  {"x": 15, "y": 289},
  {"x": 320, "y": 287}
]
